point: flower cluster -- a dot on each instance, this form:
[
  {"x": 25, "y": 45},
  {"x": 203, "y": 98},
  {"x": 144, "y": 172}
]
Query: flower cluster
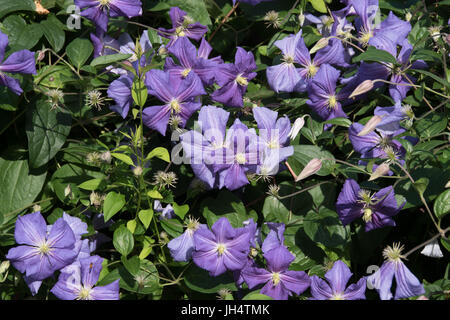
[{"x": 44, "y": 249}]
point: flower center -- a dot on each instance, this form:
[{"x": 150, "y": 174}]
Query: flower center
[
  {"x": 192, "y": 224},
  {"x": 240, "y": 158},
  {"x": 337, "y": 296},
  {"x": 364, "y": 37},
  {"x": 185, "y": 72},
  {"x": 394, "y": 253},
  {"x": 241, "y": 80},
  {"x": 84, "y": 294},
  {"x": 312, "y": 70},
  {"x": 365, "y": 197},
  {"x": 288, "y": 59},
  {"x": 175, "y": 106},
  {"x": 180, "y": 31},
  {"x": 104, "y": 2},
  {"x": 221, "y": 248},
  {"x": 273, "y": 144},
  {"x": 275, "y": 278},
  {"x": 44, "y": 248},
  {"x": 332, "y": 102}
]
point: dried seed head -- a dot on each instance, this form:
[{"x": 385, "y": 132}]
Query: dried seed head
[
  {"x": 55, "y": 98},
  {"x": 94, "y": 99},
  {"x": 272, "y": 19},
  {"x": 165, "y": 179}
]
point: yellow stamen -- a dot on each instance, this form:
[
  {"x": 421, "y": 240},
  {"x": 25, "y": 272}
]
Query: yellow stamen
[
  {"x": 180, "y": 32},
  {"x": 84, "y": 294},
  {"x": 175, "y": 106},
  {"x": 240, "y": 158},
  {"x": 44, "y": 248},
  {"x": 241, "y": 80},
  {"x": 221, "y": 248},
  {"x": 312, "y": 70},
  {"x": 332, "y": 102},
  {"x": 367, "y": 215},
  {"x": 275, "y": 278},
  {"x": 185, "y": 72}
]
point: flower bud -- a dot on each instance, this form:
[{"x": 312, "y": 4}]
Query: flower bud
[
  {"x": 36, "y": 208},
  {"x": 322, "y": 43},
  {"x": 298, "y": 125},
  {"x": 106, "y": 157},
  {"x": 311, "y": 168},
  {"x": 39, "y": 8},
  {"x": 4, "y": 266},
  {"x": 364, "y": 87},
  {"x": 380, "y": 171},
  {"x": 370, "y": 126},
  {"x": 41, "y": 55},
  {"x": 301, "y": 18},
  {"x": 137, "y": 171},
  {"x": 67, "y": 190},
  {"x": 408, "y": 16},
  {"x": 432, "y": 250}
]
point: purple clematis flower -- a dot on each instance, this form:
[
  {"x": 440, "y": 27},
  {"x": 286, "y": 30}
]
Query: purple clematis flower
[
  {"x": 336, "y": 288},
  {"x": 18, "y": 62},
  {"x": 192, "y": 61},
  {"x": 78, "y": 280},
  {"x": 182, "y": 26},
  {"x": 252, "y": 2},
  {"x": 391, "y": 28},
  {"x": 240, "y": 153},
  {"x": 323, "y": 98},
  {"x": 233, "y": 79},
  {"x": 98, "y": 10},
  {"x": 279, "y": 282},
  {"x": 222, "y": 248},
  {"x": 286, "y": 77},
  {"x": 120, "y": 91},
  {"x": 177, "y": 94},
  {"x": 376, "y": 210},
  {"x": 181, "y": 248},
  {"x": 275, "y": 238},
  {"x": 391, "y": 117},
  {"x": 42, "y": 252},
  {"x": 274, "y": 134},
  {"x": 376, "y": 145},
  {"x": 407, "y": 284},
  {"x": 104, "y": 44}
]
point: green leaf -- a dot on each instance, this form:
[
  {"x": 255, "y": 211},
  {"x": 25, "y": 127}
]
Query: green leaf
[
  {"x": 431, "y": 125},
  {"x": 373, "y": 54},
  {"x": 305, "y": 153},
  {"x": 442, "y": 204},
  {"x": 7, "y": 6},
  {"x": 144, "y": 281},
  {"x": 18, "y": 187},
  {"x": 123, "y": 157},
  {"x": 47, "y": 131},
  {"x": 160, "y": 153},
  {"x": 139, "y": 92},
  {"x": 319, "y": 5},
  {"x": 326, "y": 228},
  {"x": 146, "y": 217},
  {"x": 90, "y": 185},
  {"x": 20, "y": 34},
  {"x": 109, "y": 59},
  {"x": 54, "y": 32},
  {"x": 196, "y": 9},
  {"x": 154, "y": 194},
  {"x": 180, "y": 211},
  {"x": 255, "y": 295},
  {"x": 123, "y": 240},
  {"x": 113, "y": 203},
  {"x": 435, "y": 77},
  {"x": 79, "y": 51},
  {"x": 199, "y": 280},
  {"x": 343, "y": 122},
  {"x": 421, "y": 185}
]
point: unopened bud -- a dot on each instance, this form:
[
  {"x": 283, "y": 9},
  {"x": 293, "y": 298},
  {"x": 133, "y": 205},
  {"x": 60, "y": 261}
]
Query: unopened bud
[
  {"x": 380, "y": 171},
  {"x": 301, "y": 18},
  {"x": 311, "y": 168},
  {"x": 408, "y": 16},
  {"x": 67, "y": 190},
  {"x": 137, "y": 171},
  {"x": 447, "y": 185},
  {"x": 41, "y": 55},
  {"x": 298, "y": 125},
  {"x": 364, "y": 87},
  {"x": 4, "y": 266},
  {"x": 370, "y": 126},
  {"x": 106, "y": 157},
  {"x": 432, "y": 250},
  {"x": 322, "y": 43},
  {"x": 39, "y": 8},
  {"x": 162, "y": 51},
  {"x": 36, "y": 208}
]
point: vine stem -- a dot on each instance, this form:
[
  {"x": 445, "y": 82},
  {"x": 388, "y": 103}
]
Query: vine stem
[
  {"x": 427, "y": 242},
  {"x": 303, "y": 190},
  {"x": 224, "y": 20}
]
